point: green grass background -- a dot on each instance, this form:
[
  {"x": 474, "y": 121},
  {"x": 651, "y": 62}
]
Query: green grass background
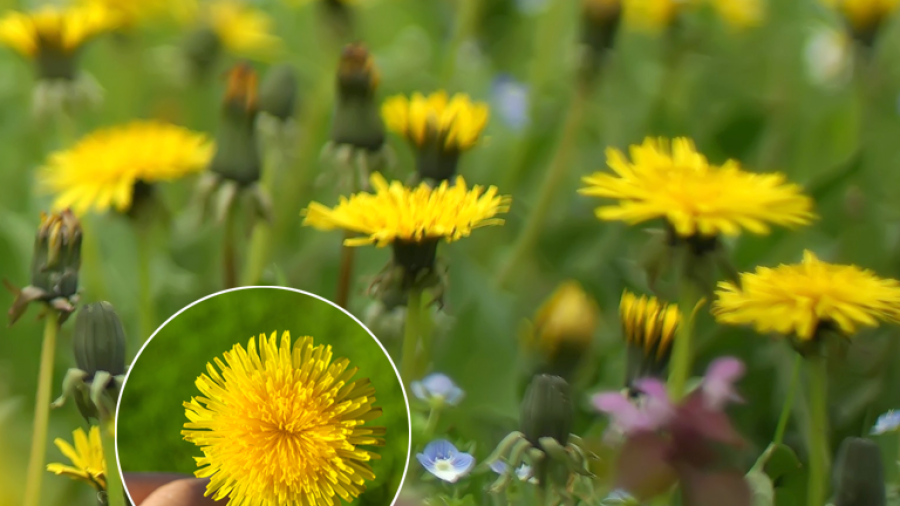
[
  {"x": 739, "y": 95},
  {"x": 151, "y": 415}
]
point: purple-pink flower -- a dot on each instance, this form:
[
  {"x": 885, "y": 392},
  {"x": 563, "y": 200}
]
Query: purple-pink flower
[{"x": 667, "y": 441}]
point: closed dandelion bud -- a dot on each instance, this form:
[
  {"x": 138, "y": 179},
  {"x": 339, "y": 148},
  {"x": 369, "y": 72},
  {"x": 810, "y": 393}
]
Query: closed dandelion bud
[
  {"x": 54, "y": 266},
  {"x": 858, "y": 474},
  {"x": 237, "y": 155},
  {"x": 99, "y": 340},
  {"x": 547, "y": 410},
  {"x": 202, "y": 48},
  {"x": 649, "y": 326},
  {"x": 278, "y": 92},
  {"x": 600, "y": 24},
  {"x": 356, "y": 119},
  {"x": 564, "y": 328}
]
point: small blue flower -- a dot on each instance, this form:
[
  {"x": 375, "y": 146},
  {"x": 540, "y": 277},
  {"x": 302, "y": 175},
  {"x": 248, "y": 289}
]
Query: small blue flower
[
  {"x": 619, "y": 497},
  {"x": 523, "y": 472},
  {"x": 888, "y": 422},
  {"x": 511, "y": 101},
  {"x": 443, "y": 460},
  {"x": 437, "y": 389}
]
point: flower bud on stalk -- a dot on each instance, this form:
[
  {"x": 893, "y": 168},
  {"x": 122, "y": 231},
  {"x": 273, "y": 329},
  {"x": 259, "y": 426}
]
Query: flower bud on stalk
[
  {"x": 599, "y": 26},
  {"x": 278, "y": 92},
  {"x": 858, "y": 474},
  {"x": 54, "y": 267},
  {"x": 547, "y": 410}
]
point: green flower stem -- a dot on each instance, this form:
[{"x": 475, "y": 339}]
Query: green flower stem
[
  {"x": 431, "y": 424},
  {"x": 91, "y": 265},
  {"x": 346, "y": 273},
  {"x": 556, "y": 172},
  {"x": 817, "y": 430},
  {"x": 145, "y": 297},
  {"x": 41, "y": 411},
  {"x": 466, "y": 23},
  {"x": 411, "y": 333},
  {"x": 788, "y": 401},
  {"x": 682, "y": 360},
  {"x": 115, "y": 493},
  {"x": 229, "y": 256},
  {"x": 261, "y": 240}
]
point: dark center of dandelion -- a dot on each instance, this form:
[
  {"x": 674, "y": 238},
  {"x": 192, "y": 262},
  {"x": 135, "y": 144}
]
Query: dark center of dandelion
[
  {"x": 416, "y": 258},
  {"x": 699, "y": 244}
]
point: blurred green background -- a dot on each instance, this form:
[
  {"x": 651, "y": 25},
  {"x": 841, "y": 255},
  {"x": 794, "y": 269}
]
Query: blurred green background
[
  {"x": 151, "y": 416},
  {"x": 748, "y": 95}
]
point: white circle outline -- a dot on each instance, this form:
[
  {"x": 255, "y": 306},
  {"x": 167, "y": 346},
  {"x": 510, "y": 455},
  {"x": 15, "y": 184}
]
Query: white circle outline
[{"x": 287, "y": 289}]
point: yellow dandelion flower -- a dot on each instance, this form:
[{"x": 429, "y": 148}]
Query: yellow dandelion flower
[
  {"x": 87, "y": 459},
  {"x": 740, "y": 13},
  {"x": 649, "y": 324},
  {"x": 242, "y": 29},
  {"x": 101, "y": 170},
  {"x": 133, "y": 12},
  {"x": 652, "y": 15},
  {"x": 864, "y": 15},
  {"x": 696, "y": 198},
  {"x": 54, "y": 31},
  {"x": 395, "y": 213},
  {"x": 283, "y": 425},
  {"x": 567, "y": 319},
  {"x": 799, "y": 299},
  {"x": 455, "y": 124}
]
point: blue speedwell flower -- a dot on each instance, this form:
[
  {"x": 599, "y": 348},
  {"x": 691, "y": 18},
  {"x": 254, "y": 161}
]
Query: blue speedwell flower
[
  {"x": 511, "y": 101},
  {"x": 523, "y": 472},
  {"x": 437, "y": 390},
  {"x": 443, "y": 460},
  {"x": 888, "y": 422}
]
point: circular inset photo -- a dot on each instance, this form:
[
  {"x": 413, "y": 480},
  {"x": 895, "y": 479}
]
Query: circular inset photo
[{"x": 263, "y": 396}]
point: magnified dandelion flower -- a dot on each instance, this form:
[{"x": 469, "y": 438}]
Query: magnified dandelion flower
[
  {"x": 649, "y": 325},
  {"x": 677, "y": 183},
  {"x": 88, "y": 464},
  {"x": 802, "y": 299},
  {"x": 110, "y": 167},
  {"x": 411, "y": 220},
  {"x": 283, "y": 425},
  {"x": 443, "y": 460},
  {"x": 439, "y": 127}
]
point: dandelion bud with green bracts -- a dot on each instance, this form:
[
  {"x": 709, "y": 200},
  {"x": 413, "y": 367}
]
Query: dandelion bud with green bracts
[
  {"x": 237, "y": 156},
  {"x": 99, "y": 345},
  {"x": 859, "y": 474},
  {"x": 600, "y": 21},
  {"x": 278, "y": 92},
  {"x": 356, "y": 120},
  {"x": 649, "y": 326},
  {"x": 202, "y": 48},
  {"x": 563, "y": 330},
  {"x": 54, "y": 267},
  {"x": 547, "y": 410}
]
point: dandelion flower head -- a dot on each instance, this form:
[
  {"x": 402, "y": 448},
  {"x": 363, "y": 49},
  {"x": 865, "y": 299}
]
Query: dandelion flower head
[
  {"x": 798, "y": 299},
  {"x": 676, "y": 182},
  {"x": 282, "y": 425},
  {"x": 88, "y": 464},
  {"x": 864, "y": 14},
  {"x": 54, "y": 30},
  {"x": 455, "y": 123},
  {"x": 100, "y": 171},
  {"x": 395, "y": 213},
  {"x": 243, "y": 29}
]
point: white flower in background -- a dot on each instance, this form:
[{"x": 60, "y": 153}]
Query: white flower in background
[
  {"x": 828, "y": 56},
  {"x": 888, "y": 422}
]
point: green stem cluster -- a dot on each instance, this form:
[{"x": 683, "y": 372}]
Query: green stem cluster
[
  {"x": 41, "y": 410},
  {"x": 411, "y": 333},
  {"x": 145, "y": 296},
  {"x": 115, "y": 492}
]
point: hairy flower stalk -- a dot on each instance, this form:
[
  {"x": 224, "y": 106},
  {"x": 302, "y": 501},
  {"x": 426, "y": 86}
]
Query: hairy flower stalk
[
  {"x": 810, "y": 303},
  {"x": 282, "y": 424}
]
